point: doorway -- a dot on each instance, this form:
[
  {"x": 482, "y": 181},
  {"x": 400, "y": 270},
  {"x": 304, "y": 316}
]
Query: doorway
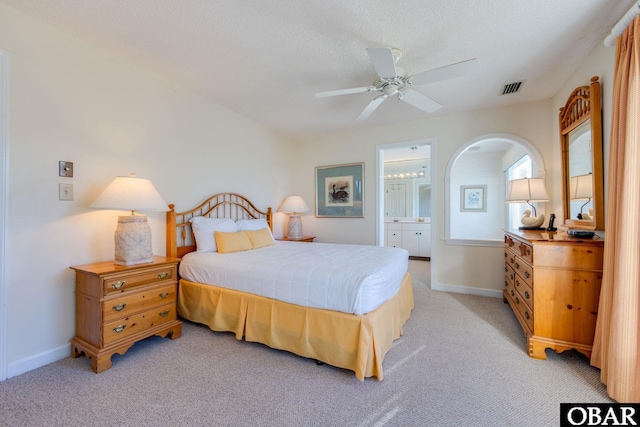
[{"x": 404, "y": 190}]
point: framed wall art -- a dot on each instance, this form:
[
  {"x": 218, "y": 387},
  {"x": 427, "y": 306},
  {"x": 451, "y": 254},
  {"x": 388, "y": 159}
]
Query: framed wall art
[
  {"x": 473, "y": 198},
  {"x": 339, "y": 191}
]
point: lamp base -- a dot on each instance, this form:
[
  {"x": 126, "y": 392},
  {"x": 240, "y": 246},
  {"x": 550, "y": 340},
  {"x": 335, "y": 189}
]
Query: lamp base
[
  {"x": 295, "y": 227},
  {"x": 133, "y": 240}
]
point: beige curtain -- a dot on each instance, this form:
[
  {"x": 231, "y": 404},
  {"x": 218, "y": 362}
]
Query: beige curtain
[{"x": 616, "y": 347}]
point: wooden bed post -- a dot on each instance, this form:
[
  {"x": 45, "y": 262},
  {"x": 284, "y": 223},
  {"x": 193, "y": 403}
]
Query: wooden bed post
[
  {"x": 172, "y": 250},
  {"x": 270, "y": 218}
]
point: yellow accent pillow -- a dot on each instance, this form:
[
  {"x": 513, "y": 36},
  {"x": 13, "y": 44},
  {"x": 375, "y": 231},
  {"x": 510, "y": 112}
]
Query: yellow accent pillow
[
  {"x": 228, "y": 242},
  {"x": 260, "y": 238}
]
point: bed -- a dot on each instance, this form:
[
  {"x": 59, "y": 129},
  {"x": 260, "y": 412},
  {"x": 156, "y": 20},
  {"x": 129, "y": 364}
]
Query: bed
[{"x": 238, "y": 294}]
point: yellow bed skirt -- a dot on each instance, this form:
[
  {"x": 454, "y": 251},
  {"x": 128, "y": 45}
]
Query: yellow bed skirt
[{"x": 357, "y": 343}]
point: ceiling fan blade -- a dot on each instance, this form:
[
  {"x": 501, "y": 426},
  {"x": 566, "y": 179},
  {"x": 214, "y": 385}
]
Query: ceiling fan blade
[
  {"x": 383, "y": 61},
  {"x": 420, "y": 101},
  {"x": 371, "y": 107},
  {"x": 344, "y": 91},
  {"x": 447, "y": 72}
]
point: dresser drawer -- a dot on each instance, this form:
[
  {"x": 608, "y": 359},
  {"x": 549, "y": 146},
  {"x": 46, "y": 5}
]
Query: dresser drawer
[
  {"x": 129, "y": 303},
  {"x": 525, "y": 291},
  {"x": 509, "y": 274},
  {"x": 127, "y": 281},
  {"x": 524, "y": 270},
  {"x": 524, "y": 250},
  {"x": 510, "y": 258},
  {"x": 509, "y": 288},
  {"x": 141, "y": 322},
  {"x": 525, "y": 311}
]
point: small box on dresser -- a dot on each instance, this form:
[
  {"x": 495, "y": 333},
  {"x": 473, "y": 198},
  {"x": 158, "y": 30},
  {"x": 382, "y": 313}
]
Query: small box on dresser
[
  {"x": 552, "y": 283},
  {"x": 117, "y": 306}
]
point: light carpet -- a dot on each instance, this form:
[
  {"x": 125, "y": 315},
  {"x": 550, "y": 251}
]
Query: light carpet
[{"x": 462, "y": 361}]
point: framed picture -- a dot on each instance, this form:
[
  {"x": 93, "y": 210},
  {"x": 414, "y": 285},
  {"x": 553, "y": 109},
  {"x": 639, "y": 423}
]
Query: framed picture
[
  {"x": 473, "y": 198},
  {"x": 339, "y": 191}
]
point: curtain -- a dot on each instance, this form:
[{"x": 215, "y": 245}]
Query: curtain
[{"x": 616, "y": 347}]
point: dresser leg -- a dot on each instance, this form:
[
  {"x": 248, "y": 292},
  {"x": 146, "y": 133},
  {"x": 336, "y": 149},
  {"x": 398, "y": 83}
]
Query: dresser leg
[{"x": 536, "y": 349}]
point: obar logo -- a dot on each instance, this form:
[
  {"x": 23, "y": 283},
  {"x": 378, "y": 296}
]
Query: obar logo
[{"x": 599, "y": 414}]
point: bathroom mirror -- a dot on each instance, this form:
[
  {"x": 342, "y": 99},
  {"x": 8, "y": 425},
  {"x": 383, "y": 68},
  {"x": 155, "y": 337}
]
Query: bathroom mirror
[{"x": 582, "y": 168}]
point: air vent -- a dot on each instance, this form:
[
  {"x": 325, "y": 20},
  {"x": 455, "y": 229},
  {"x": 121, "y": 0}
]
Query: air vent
[{"x": 511, "y": 88}]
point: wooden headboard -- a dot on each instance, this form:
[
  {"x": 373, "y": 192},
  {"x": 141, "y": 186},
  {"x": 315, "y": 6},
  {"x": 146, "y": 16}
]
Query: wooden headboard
[{"x": 180, "y": 239}]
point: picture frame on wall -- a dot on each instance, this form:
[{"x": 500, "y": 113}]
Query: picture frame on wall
[
  {"x": 473, "y": 198},
  {"x": 339, "y": 191}
]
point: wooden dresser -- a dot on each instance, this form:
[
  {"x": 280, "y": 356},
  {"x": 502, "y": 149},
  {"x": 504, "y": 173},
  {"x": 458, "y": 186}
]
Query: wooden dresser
[
  {"x": 552, "y": 282},
  {"x": 116, "y": 306}
]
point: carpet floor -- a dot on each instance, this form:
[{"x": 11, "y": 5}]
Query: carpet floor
[{"x": 462, "y": 361}]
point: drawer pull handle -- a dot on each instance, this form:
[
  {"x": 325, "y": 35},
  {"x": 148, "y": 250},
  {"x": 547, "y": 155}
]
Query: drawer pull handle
[
  {"x": 512, "y": 293},
  {"x": 517, "y": 282},
  {"x": 119, "y": 307},
  {"x": 511, "y": 260},
  {"x": 526, "y": 275},
  {"x": 526, "y": 314},
  {"x": 163, "y": 275},
  {"x": 526, "y": 294},
  {"x": 165, "y": 313},
  {"x": 517, "y": 300},
  {"x": 119, "y": 284},
  {"x": 164, "y": 295},
  {"x": 119, "y": 329},
  {"x": 517, "y": 265}
]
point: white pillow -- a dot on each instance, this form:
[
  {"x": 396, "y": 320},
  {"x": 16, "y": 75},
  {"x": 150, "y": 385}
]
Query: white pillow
[
  {"x": 252, "y": 224},
  {"x": 203, "y": 229}
]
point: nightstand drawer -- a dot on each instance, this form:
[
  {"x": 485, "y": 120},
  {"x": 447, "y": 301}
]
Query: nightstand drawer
[
  {"x": 141, "y": 322},
  {"x": 127, "y": 304},
  {"x": 127, "y": 281}
]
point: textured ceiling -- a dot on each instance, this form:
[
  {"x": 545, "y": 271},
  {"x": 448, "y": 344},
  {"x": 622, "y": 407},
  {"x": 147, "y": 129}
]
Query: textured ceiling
[{"x": 266, "y": 59}]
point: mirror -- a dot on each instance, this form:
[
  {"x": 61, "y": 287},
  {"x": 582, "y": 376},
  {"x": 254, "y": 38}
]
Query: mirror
[
  {"x": 407, "y": 188},
  {"x": 582, "y": 174}
]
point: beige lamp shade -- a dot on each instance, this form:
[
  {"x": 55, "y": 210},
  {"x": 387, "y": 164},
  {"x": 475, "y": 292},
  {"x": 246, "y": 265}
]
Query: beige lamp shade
[
  {"x": 133, "y": 234},
  {"x": 581, "y": 187},
  {"x": 294, "y": 205},
  {"x": 527, "y": 190},
  {"x": 130, "y": 193}
]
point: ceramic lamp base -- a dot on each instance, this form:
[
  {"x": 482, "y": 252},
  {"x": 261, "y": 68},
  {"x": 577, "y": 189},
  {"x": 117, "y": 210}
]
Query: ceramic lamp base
[
  {"x": 133, "y": 240},
  {"x": 295, "y": 227}
]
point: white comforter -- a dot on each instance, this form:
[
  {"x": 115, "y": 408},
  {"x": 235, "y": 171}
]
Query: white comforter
[{"x": 349, "y": 278}]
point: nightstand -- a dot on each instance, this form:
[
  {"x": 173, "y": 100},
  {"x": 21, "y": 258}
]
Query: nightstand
[
  {"x": 117, "y": 306},
  {"x": 301, "y": 239}
]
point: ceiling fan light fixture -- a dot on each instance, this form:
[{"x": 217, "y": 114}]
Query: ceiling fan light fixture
[{"x": 390, "y": 89}]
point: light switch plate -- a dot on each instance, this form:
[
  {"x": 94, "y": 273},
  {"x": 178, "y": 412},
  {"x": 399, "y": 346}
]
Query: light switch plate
[
  {"x": 65, "y": 169},
  {"x": 65, "y": 191}
]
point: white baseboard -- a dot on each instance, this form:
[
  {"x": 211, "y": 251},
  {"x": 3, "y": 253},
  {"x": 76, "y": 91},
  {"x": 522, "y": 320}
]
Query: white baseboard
[
  {"x": 457, "y": 289},
  {"x": 38, "y": 360}
]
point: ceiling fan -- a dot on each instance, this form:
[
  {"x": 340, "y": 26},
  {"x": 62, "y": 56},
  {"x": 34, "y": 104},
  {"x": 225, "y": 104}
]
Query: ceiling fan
[{"x": 394, "y": 80}]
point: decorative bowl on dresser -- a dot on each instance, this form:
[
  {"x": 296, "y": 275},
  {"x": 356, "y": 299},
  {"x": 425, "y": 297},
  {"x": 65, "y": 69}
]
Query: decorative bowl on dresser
[
  {"x": 117, "y": 306},
  {"x": 552, "y": 283}
]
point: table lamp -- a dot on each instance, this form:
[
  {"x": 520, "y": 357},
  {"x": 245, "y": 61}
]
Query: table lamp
[
  {"x": 133, "y": 234},
  {"x": 527, "y": 190},
  {"x": 293, "y": 205}
]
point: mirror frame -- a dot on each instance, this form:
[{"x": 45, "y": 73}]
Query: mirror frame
[{"x": 583, "y": 104}]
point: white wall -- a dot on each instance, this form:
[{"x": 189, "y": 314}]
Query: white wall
[
  {"x": 71, "y": 102},
  {"x": 473, "y": 168}
]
